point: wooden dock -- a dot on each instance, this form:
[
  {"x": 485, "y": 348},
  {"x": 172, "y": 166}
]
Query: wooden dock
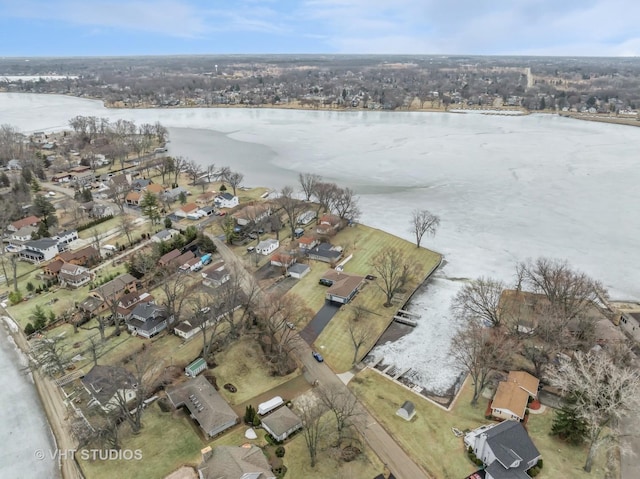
[{"x": 405, "y": 320}]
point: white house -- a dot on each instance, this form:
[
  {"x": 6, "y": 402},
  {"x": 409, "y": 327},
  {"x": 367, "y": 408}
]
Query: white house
[
  {"x": 109, "y": 386},
  {"x": 505, "y": 449},
  {"x": 307, "y": 217},
  {"x": 37, "y": 251},
  {"x": 267, "y": 246},
  {"x": 185, "y": 210},
  {"x": 23, "y": 234},
  {"x": 226, "y": 200}
]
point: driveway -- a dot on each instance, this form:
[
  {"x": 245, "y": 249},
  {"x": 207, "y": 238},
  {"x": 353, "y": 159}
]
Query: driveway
[{"x": 311, "y": 332}]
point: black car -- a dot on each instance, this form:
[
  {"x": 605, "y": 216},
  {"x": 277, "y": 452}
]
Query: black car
[{"x": 325, "y": 282}]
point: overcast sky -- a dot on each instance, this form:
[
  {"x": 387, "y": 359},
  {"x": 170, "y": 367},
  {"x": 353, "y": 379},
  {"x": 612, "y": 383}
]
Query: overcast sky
[{"x": 482, "y": 27}]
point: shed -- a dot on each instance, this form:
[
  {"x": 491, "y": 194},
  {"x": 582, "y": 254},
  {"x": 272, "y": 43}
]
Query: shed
[
  {"x": 195, "y": 367},
  {"x": 299, "y": 270},
  {"x": 282, "y": 423},
  {"x": 407, "y": 411}
]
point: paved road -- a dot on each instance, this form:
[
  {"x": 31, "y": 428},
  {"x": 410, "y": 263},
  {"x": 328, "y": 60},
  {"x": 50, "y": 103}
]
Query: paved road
[{"x": 380, "y": 441}]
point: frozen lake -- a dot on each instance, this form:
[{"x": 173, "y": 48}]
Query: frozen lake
[{"x": 506, "y": 188}]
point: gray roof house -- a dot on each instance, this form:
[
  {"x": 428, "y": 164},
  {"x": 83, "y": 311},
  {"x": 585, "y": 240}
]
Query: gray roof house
[
  {"x": 505, "y": 448},
  {"x": 233, "y": 462},
  {"x": 74, "y": 275},
  {"x": 104, "y": 383},
  {"x": 324, "y": 252},
  {"x": 281, "y": 423},
  {"x": 147, "y": 319},
  {"x": 173, "y": 194},
  {"x": 164, "y": 235},
  {"x": 37, "y": 251},
  {"x": 206, "y": 406}
]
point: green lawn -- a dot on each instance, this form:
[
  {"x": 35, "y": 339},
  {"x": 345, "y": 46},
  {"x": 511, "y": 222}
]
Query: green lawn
[
  {"x": 428, "y": 438},
  {"x": 167, "y": 441},
  {"x": 364, "y": 243},
  {"x": 101, "y": 228}
]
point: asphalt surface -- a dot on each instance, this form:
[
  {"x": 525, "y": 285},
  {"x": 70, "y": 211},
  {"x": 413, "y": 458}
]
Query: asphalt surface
[
  {"x": 311, "y": 332},
  {"x": 380, "y": 441}
]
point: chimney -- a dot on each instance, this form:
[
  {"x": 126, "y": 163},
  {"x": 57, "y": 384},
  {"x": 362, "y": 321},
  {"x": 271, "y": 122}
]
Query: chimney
[{"x": 206, "y": 453}]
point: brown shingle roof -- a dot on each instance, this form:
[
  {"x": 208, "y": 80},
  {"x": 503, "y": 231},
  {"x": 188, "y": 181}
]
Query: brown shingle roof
[
  {"x": 525, "y": 380},
  {"x": 170, "y": 256},
  {"x": 154, "y": 188},
  {"x": 28, "y": 221},
  {"x": 343, "y": 283},
  {"x": 512, "y": 397},
  {"x": 189, "y": 207}
]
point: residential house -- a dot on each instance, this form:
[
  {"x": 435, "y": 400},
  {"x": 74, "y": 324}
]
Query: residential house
[
  {"x": 28, "y": 221},
  {"x": 86, "y": 256},
  {"x": 101, "y": 211},
  {"x": 182, "y": 259},
  {"x": 325, "y": 252},
  {"x": 140, "y": 184},
  {"x": 267, "y": 246},
  {"x": 109, "y": 386},
  {"x": 281, "y": 423},
  {"x": 204, "y": 403},
  {"x": 83, "y": 178},
  {"x": 299, "y": 270},
  {"x": 23, "y": 234},
  {"x": 164, "y": 235},
  {"x": 38, "y": 251},
  {"x": 120, "y": 182},
  {"x": 52, "y": 268},
  {"x": 252, "y": 214},
  {"x": 215, "y": 275},
  {"x": 206, "y": 197},
  {"x": 173, "y": 194},
  {"x": 133, "y": 198},
  {"x": 61, "y": 178},
  {"x": 344, "y": 286},
  {"x": 207, "y": 210},
  {"x": 184, "y": 210},
  {"x": 306, "y": 217},
  {"x": 99, "y": 298},
  {"x": 65, "y": 237},
  {"x": 512, "y": 396},
  {"x": 129, "y": 301},
  {"x": 283, "y": 260},
  {"x": 328, "y": 224},
  {"x": 191, "y": 265},
  {"x": 73, "y": 275},
  {"x": 407, "y": 411},
  {"x": 307, "y": 242},
  {"x": 155, "y": 189},
  {"x": 190, "y": 327},
  {"x": 505, "y": 448},
  {"x": 226, "y": 200},
  {"x": 147, "y": 319},
  {"x": 234, "y": 462},
  {"x": 169, "y": 257}
]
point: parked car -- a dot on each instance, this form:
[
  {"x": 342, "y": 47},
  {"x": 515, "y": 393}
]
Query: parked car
[
  {"x": 318, "y": 357},
  {"x": 251, "y": 249},
  {"x": 325, "y": 282}
]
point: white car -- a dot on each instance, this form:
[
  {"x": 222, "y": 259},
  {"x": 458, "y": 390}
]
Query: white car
[{"x": 52, "y": 193}]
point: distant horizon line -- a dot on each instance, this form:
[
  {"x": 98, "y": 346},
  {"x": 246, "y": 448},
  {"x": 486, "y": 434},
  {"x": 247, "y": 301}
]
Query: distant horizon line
[{"x": 409, "y": 55}]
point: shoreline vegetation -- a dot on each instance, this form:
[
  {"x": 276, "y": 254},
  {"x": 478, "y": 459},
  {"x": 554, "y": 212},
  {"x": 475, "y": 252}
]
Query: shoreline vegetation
[{"x": 484, "y": 109}]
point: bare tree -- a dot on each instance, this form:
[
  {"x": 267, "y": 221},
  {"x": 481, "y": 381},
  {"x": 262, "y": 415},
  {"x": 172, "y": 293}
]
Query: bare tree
[
  {"x": 210, "y": 172},
  {"x": 569, "y": 292},
  {"x": 119, "y": 193},
  {"x": 291, "y": 205},
  {"x": 478, "y": 350},
  {"x": 604, "y": 394},
  {"x": 423, "y": 222},
  {"x": 312, "y": 428},
  {"x": 344, "y": 406},
  {"x": 164, "y": 167},
  {"x": 479, "y": 299},
  {"x": 127, "y": 226},
  {"x": 50, "y": 355},
  {"x": 326, "y": 194},
  {"x": 179, "y": 165},
  {"x": 346, "y": 204},
  {"x": 176, "y": 291},
  {"x": 95, "y": 236},
  {"x": 359, "y": 332},
  {"x": 394, "y": 270},
  {"x": 194, "y": 170},
  {"x": 235, "y": 179},
  {"x": 308, "y": 183},
  {"x": 277, "y": 318}
]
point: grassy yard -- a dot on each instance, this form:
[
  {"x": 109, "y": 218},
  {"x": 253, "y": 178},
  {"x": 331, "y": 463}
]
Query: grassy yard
[
  {"x": 101, "y": 228},
  {"x": 167, "y": 441},
  {"x": 243, "y": 365},
  {"x": 364, "y": 243},
  {"x": 428, "y": 438}
]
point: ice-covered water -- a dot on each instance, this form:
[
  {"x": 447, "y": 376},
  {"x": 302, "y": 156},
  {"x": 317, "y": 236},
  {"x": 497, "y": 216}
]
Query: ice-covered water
[{"x": 506, "y": 188}]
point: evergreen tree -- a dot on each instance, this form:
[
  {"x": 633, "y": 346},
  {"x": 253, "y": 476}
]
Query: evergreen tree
[
  {"x": 150, "y": 207},
  {"x": 568, "y": 425},
  {"x": 43, "y": 208}
]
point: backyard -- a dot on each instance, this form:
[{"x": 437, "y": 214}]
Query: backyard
[
  {"x": 429, "y": 440},
  {"x": 364, "y": 243}
]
